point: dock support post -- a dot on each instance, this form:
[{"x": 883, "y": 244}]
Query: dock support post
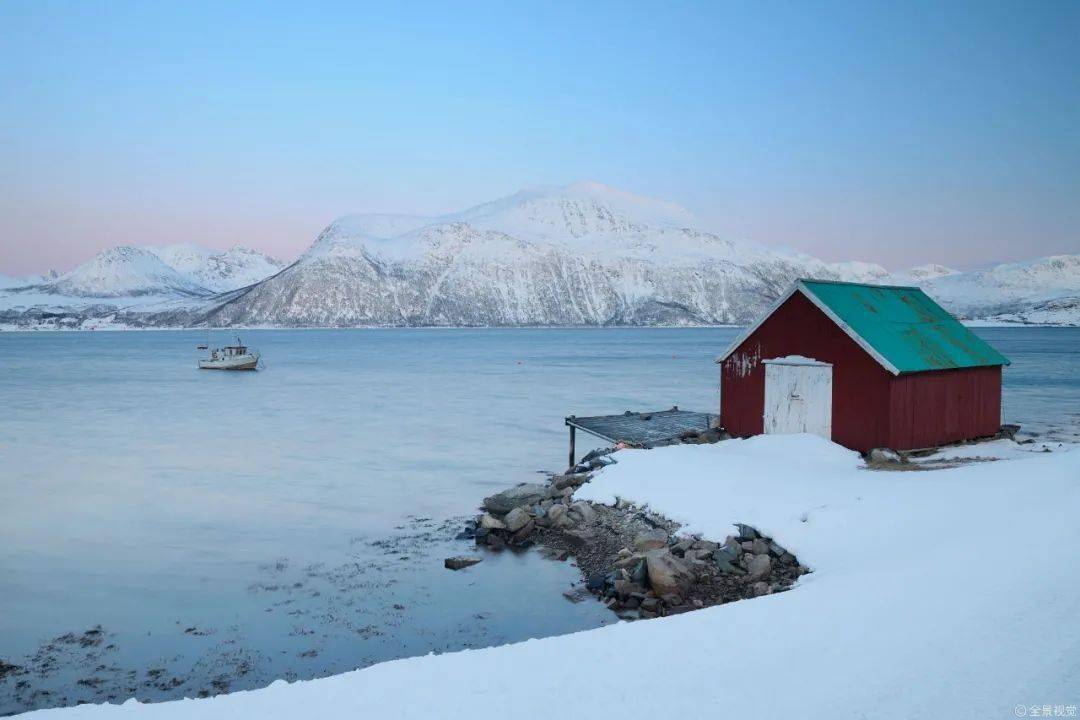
[{"x": 572, "y": 434}]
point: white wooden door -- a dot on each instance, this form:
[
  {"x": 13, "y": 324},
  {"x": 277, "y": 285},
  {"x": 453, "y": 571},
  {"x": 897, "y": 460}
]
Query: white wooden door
[{"x": 798, "y": 397}]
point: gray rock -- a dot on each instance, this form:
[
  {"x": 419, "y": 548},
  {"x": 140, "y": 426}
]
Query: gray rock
[
  {"x": 672, "y": 599},
  {"x": 584, "y": 510},
  {"x": 651, "y": 540},
  {"x": 505, "y": 501},
  {"x": 760, "y": 566},
  {"x": 724, "y": 565},
  {"x": 561, "y": 482},
  {"x": 760, "y": 588},
  {"x": 667, "y": 573},
  {"x": 746, "y": 532},
  {"x": 576, "y": 595},
  {"x": 457, "y": 563},
  {"x": 695, "y": 555},
  {"x": 578, "y": 538},
  {"x": 883, "y": 455},
  {"x": 639, "y": 572},
  {"x": 490, "y": 522},
  {"x": 521, "y": 537},
  {"x": 626, "y": 588},
  {"x": 682, "y": 545},
  {"x": 727, "y": 553},
  {"x": 704, "y": 545},
  {"x": 516, "y": 519},
  {"x": 759, "y": 547},
  {"x": 557, "y": 516}
]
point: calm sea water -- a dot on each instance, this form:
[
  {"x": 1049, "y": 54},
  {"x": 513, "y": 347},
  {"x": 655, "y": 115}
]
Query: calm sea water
[{"x": 226, "y": 529}]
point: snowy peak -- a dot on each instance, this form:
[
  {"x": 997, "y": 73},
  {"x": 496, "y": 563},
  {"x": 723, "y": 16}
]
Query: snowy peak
[
  {"x": 123, "y": 271},
  {"x": 1008, "y": 288},
  {"x": 219, "y": 271},
  {"x": 922, "y": 273},
  {"x": 576, "y": 211},
  {"x": 587, "y": 219}
]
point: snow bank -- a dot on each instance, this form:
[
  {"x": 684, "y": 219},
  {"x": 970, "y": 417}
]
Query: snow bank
[{"x": 948, "y": 593}]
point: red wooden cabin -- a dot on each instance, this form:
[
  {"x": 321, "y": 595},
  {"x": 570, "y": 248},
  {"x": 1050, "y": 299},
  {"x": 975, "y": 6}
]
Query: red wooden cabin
[{"x": 865, "y": 365}]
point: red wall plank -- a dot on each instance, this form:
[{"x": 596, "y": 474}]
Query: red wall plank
[{"x": 935, "y": 408}]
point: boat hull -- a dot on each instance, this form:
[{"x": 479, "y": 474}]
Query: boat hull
[{"x": 241, "y": 362}]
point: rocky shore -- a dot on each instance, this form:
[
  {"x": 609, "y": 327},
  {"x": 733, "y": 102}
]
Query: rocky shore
[{"x": 636, "y": 561}]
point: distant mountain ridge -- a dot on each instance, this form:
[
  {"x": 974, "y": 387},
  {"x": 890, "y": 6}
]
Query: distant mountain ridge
[
  {"x": 582, "y": 254},
  {"x": 166, "y": 271},
  {"x": 218, "y": 271}
]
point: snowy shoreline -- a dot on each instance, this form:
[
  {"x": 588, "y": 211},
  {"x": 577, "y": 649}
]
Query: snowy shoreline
[{"x": 924, "y": 600}]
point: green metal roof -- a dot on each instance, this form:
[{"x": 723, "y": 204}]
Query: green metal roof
[{"x": 901, "y": 326}]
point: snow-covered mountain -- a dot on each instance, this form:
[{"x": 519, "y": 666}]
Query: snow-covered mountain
[
  {"x": 130, "y": 273},
  {"x": 583, "y": 254},
  {"x": 218, "y": 271},
  {"x": 122, "y": 272},
  {"x": 1046, "y": 290},
  {"x": 920, "y": 274},
  {"x": 8, "y": 281}
]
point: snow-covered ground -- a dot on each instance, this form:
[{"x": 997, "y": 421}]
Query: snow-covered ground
[{"x": 947, "y": 593}]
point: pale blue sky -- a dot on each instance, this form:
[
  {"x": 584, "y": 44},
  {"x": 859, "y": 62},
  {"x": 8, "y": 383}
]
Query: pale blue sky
[{"x": 899, "y": 133}]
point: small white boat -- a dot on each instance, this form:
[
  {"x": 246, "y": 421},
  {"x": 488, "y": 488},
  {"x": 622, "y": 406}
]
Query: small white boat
[{"x": 231, "y": 357}]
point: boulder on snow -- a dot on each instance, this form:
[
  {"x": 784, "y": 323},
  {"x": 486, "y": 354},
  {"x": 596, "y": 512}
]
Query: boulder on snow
[
  {"x": 746, "y": 532},
  {"x": 884, "y": 455},
  {"x": 528, "y": 494}
]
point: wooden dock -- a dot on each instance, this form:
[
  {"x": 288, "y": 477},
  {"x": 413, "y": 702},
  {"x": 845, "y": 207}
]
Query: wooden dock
[{"x": 640, "y": 429}]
